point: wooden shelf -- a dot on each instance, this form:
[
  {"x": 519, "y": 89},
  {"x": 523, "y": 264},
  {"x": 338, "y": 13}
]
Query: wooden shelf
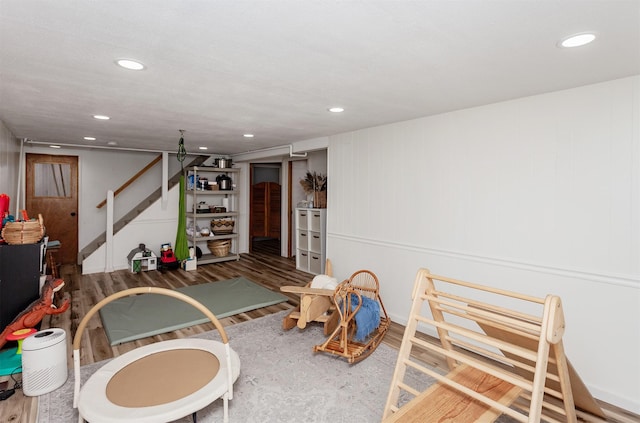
[
  {"x": 229, "y": 199},
  {"x": 210, "y": 258},
  {"x": 213, "y": 191},
  {"x": 210, "y": 238},
  {"x": 215, "y": 169},
  {"x": 212, "y": 215}
]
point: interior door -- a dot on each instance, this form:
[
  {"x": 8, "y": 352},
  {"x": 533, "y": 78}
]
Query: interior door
[
  {"x": 274, "y": 194},
  {"x": 52, "y": 191},
  {"x": 258, "y": 211},
  {"x": 265, "y": 210}
]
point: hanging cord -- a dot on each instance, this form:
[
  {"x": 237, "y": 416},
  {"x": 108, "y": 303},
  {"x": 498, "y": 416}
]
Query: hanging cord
[
  {"x": 6, "y": 393},
  {"x": 182, "y": 152}
]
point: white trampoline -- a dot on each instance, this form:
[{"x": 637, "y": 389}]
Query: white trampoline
[{"x": 160, "y": 382}]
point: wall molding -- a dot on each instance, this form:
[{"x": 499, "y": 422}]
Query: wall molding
[{"x": 611, "y": 279}]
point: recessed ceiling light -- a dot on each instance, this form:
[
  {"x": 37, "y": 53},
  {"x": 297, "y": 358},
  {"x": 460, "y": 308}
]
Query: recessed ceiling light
[
  {"x": 578, "y": 40},
  {"x": 101, "y": 117},
  {"x": 248, "y": 135},
  {"x": 336, "y": 109},
  {"x": 90, "y": 138},
  {"x": 130, "y": 64},
  {"x": 54, "y": 146},
  {"x": 203, "y": 148},
  {"x": 112, "y": 143}
]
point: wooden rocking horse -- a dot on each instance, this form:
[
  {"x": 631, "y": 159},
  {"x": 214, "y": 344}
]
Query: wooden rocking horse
[
  {"x": 363, "y": 319},
  {"x": 337, "y": 310}
]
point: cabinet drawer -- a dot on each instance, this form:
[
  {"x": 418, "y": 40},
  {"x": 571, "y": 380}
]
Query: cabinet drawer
[
  {"x": 303, "y": 240},
  {"x": 302, "y": 260},
  {"x": 302, "y": 219},
  {"x": 315, "y": 263},
  {"x": 315, "y": 242},
  {"x": 314, "y": 221}
]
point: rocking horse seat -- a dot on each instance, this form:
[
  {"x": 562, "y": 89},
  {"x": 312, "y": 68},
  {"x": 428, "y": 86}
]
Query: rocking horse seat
[{"x": 316, "y": 304}]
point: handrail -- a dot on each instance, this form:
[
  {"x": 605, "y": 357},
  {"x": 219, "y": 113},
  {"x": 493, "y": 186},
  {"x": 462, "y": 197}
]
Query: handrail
[{"x": 131, "y": 180}]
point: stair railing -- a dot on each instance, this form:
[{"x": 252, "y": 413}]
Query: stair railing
[
  {"x": 132, "y": 180},
  {"x": 110, "y": 200}
]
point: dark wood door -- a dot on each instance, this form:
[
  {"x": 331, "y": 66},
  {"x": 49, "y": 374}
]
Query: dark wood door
[
  {"x": 265, "y": 210},
  {"x": 52, "y": 191},
  {"x": 274, "y": 205},
  {"x": 258, "y": 210}
]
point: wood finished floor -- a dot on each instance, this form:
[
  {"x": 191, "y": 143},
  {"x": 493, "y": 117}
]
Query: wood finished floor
[{"x": 263, "y": 266}]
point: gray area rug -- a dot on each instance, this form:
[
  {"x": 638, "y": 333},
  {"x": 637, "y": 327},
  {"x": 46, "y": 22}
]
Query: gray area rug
[
  {"x": 140, "y": 316},
  {"x": 281, "y": 380}
]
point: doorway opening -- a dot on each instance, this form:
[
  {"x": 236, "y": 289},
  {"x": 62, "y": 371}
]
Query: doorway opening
[{"x": 265, "y": 208}]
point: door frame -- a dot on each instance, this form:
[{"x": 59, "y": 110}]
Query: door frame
[{"x": 69, "y": 226}]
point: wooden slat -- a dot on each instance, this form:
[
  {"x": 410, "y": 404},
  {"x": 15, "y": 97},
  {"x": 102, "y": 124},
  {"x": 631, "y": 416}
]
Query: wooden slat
[
  {"x": 306, "y": 290},
  {"x": 441, "y": 401},
  {"x": 532, "y": 364}
]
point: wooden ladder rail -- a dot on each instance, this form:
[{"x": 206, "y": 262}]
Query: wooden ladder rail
[
  {"x": 131, "y": 180},
  {"x": 530, "y": 366}
]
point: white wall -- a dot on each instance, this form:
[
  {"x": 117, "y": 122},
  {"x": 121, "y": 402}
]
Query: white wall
[
  {"x": 537, "y": 195},
  {"x": 9, "y": 165},
  {"x": 153, "y": 227},
  {"x": 102, "y": 170}
]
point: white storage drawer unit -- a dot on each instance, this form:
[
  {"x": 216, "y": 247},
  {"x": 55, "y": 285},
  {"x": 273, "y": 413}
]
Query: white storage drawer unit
[
  {"x": 315, "y": 242},
  {"x": 311, "y": 235},
  {"x": 316, "y": 264}
]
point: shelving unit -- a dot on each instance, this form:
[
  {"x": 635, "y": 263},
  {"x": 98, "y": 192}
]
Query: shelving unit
[
  {"x": 311, "y": 237},
  {"x": 215, "y": 197}
]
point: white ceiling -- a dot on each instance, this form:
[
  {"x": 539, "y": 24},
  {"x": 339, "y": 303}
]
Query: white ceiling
[{"x": 219, "y": 69}]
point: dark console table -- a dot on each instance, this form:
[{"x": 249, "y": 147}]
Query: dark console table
[{"x": 19, "y": 279}]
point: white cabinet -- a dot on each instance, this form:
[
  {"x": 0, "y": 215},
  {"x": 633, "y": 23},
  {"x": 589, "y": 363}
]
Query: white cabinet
[
  {"x": 311, "y": 240},
  {"x": 206, "y": 202}
]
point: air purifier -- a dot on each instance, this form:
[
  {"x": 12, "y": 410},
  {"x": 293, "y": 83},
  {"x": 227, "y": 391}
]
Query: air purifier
[{"x": 44, "y": 362}]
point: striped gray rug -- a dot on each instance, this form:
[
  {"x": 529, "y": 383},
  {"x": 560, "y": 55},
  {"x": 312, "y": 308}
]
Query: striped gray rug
[{"x": 281, "y": 380}]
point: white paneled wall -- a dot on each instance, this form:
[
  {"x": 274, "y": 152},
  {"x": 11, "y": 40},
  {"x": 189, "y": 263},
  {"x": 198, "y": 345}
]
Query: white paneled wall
[
  {"x": 539, "y": 195},
  {"x": 9, "y": 164}
]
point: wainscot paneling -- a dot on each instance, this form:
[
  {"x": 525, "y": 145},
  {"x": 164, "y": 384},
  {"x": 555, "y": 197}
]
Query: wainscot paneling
[{"x": 539, "y": 195}]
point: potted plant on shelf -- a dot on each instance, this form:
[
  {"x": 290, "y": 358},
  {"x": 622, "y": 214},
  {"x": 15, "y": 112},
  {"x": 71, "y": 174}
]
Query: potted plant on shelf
[{"x": 316, "y": 184}]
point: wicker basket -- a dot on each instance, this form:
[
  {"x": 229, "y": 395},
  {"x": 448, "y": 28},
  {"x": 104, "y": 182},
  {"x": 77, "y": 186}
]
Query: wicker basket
[
  {"x": 219, "y": 247},
  {"x": 26, "y": 232},
  {"x": 222, "y": 226},
  {"x": 320, "y": 199}
]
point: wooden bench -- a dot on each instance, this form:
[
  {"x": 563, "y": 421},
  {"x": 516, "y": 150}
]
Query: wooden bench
[{"x": 504, "y": 352}]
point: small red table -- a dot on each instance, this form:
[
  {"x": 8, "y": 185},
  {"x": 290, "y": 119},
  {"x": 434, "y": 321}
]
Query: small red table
[{"x": 20, "y": 335}]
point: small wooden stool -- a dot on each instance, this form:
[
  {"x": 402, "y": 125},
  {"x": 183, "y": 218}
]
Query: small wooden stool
[{"x": 52, "y": 249}]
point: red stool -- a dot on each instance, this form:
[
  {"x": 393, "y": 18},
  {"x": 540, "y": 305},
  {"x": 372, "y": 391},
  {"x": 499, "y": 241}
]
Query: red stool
[{"x": 19, "y": 336}]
